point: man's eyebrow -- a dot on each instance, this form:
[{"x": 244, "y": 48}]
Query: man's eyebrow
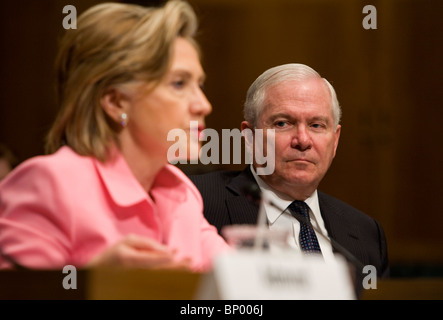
[
  {"x": 285, "y": 115},
  {"x": 320, "y": 118},
  {"x": 280, "y": 115}
]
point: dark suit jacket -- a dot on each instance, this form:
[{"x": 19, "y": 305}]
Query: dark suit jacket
[{"x": 361, "y": 235}]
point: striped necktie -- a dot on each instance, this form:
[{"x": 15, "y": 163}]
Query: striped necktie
[{"x": 308, "y": 239}]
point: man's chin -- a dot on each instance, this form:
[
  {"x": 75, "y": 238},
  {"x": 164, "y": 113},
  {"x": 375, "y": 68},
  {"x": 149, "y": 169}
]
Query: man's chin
[{"x": 300, "y": 180}]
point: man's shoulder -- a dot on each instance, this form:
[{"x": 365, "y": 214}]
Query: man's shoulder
[
  {"x": 329, "y": 202},
  {"x": 333, "y": 201},
  {"x": 214, "y": 176},
  {"x": 220, "y": 181},
  {"x": 214, "y": 179}
]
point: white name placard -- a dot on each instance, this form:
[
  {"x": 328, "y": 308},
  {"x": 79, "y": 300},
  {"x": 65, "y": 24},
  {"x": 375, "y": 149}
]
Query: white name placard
[{"x": 261, "y": 275}]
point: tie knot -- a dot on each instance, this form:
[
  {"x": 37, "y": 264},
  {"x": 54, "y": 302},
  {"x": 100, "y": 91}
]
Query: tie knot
[{"x": 300, "y": 207}]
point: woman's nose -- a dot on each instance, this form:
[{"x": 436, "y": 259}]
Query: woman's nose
[{"x": 200, "y": 103}]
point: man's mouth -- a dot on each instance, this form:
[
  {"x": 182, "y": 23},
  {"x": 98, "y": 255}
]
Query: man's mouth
[{"x": 300, "y": 160}]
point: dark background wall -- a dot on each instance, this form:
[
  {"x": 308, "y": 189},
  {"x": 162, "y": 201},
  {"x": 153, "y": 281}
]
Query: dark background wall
[{"x": 389, "y": 161}]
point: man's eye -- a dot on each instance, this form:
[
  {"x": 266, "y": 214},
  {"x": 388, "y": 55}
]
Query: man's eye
[
  {"x": 280, "y": 124},
  {"x": 317, "y": 125}
]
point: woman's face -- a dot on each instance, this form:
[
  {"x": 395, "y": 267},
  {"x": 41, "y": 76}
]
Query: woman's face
[
  {"x": 176, "y": 101},
  {"x": 5, "y": 168}
]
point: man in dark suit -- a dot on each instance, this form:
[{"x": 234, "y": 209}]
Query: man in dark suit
[{"x": 302, "y": 111}]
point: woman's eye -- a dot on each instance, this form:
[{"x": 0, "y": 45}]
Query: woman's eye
[{"x": 178, "y": 84}]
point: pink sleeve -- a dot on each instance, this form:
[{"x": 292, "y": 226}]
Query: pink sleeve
[
  {"x": 34, "y": 224},
  {"x": 187, "y": 231},
  {"x": 213, "y": 243}
]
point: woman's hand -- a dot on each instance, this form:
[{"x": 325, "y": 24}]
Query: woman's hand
[{"x": 135, "y": 251}]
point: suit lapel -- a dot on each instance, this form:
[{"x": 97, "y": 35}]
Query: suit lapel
[
  {"x": 345, "y": 233},
  {"x": 243, "y": 211},
  {"x": 240, "y": 209}
]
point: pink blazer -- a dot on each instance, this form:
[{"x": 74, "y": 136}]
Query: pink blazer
[{"x": 65, "y": 209}]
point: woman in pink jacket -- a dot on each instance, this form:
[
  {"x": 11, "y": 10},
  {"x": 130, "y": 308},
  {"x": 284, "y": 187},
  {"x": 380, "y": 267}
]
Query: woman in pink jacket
[{"x": 106, "y": 195}]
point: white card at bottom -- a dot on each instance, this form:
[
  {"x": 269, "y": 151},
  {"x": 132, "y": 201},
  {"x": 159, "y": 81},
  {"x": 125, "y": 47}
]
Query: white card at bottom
[{"x": 261, "y": 275}]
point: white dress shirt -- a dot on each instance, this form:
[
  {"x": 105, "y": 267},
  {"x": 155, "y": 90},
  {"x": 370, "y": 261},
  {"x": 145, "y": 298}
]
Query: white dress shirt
[{"x": 281, "y": 219}]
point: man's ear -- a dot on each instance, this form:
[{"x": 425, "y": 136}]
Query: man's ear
[
  {"x": 114, "y": 103},
  {"x": 336, "y": 138},
  {"x": 248, "y": 133},
  {"x": 246, "y": 125}
]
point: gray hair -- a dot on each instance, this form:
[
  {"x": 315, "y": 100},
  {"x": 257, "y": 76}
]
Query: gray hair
[{"x": 292, "y": 71}]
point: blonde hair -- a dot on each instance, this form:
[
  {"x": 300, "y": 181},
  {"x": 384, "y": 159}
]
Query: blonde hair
[{"x": 114, "y": 44}]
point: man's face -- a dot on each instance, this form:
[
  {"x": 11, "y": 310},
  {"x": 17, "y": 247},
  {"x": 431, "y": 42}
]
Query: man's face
[{"x": 306, "y": 138}]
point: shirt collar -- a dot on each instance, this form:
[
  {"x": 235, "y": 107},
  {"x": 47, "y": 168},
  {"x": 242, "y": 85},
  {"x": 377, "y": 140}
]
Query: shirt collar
[
  {"x": 119, "y": 180},
  {"x": 282, "y": 201},
  {"x": 124, "y": 188}
]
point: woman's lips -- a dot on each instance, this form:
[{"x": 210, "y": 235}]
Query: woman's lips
[{"x": 198, "y": 131}]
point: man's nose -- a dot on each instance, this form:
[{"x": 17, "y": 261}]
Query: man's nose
[{"x": 301, "y": 139}]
